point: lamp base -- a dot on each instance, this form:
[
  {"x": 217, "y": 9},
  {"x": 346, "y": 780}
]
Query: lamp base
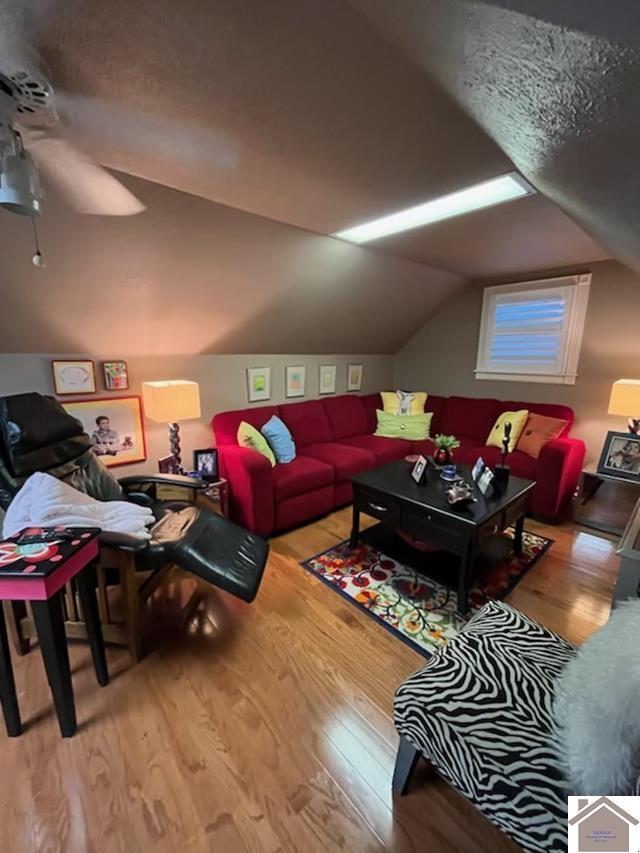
[
  {"x": 634, "y": 426},
  {"x": 174, "y": 446},
  {"x": 501, "y": 474}
]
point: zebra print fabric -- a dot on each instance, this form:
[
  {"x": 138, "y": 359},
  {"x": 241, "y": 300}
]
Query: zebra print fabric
[{"x": 481, "y": 712}]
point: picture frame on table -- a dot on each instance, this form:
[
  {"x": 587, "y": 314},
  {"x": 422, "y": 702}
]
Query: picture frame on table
[
  {"x": 73, "y": 376},
  {"x": 205, "y": 463},
  {"x": 295, "y": 381},
  {"x": 115, "y": 427},
  {"x": 620, "y": 457},
  {"x": 354, "y": 377},
  {"x": 258, "y": 384},
  {"x": 327, "y": 379},
  {"x": 115, "y": 375},
  {"x": 486, "y": 480},
  {"x": 419, "y": 471},
  {"x": 167, "y": 465},
  {"x": 478, "y": 467}
]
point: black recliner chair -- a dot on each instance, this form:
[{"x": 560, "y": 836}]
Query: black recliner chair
[{"x": 37, "y": 434}]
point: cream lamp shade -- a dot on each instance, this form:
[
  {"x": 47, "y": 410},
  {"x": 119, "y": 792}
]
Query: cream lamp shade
[
  {"x": 625, "y": 400},
  {"x": 169, "y": 402}
]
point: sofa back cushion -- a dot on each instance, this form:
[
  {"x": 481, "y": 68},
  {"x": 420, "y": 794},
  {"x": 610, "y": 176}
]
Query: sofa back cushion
[
  {"x": 469, "y": 417},
  {"x": 371, "y": 404},
  {"x": 347, "y": 416},
  {"x": 436, "y": 405},
  {"x": 549, "y": 410},
  {"x": 307, "y": 422},
  {"x": 225, "y": 424}
]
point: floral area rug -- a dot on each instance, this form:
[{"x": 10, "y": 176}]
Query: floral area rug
[{"x": 407, "y": 592}]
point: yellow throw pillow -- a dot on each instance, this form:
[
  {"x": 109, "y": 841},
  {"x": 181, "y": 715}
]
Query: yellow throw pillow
[
  {"x": 403, "y": 402},
  {"x": 518, "y": 420},
  {"x": 249, "y": 436}
]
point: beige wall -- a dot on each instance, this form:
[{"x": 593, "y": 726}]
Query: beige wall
[
  {"x": 441, "y": 357},
  {"x": 222, "y": 381}
]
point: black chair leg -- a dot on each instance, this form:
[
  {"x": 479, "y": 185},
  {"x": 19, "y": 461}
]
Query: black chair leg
[
  {"x": 406, "y": 761},
  {"x": 49, "y": 622},
  {"x": 86, "y": 582},
  {"x": 8, "y": 696}
]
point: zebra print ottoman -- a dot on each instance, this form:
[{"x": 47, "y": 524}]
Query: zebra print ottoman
[{"x": 480, "y": 712}]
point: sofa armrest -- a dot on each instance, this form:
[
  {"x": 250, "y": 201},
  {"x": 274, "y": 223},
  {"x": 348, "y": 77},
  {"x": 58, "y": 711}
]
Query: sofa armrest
[
  {"x": 557, "y": 475},
  {"x": 250, "y": 485}
]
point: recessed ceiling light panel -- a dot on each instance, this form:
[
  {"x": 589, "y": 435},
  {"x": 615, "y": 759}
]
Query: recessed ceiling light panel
[{"x": 487, "y": 194}]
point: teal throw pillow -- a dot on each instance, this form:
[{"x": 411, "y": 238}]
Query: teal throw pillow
[
  {"x": 280, "y": 439},
  {"x": 409, "y": 427}
]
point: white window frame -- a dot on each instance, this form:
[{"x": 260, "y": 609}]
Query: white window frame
[{"x": 575, "y": 288}]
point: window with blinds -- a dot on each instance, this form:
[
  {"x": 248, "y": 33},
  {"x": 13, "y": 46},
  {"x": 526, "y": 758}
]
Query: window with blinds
[{"x": 533, "y": 331}]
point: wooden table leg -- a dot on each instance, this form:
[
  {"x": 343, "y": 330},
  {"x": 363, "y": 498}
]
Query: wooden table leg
[
  {"x": 86, "y": 582},
  {"x": 49, "y": 623},
  {"x": 8, "y": 696},
  {"x": 15, "y": 612},
  {"x": 355, "y": 527},
  {"x": 518, "y": 530},
  {"x": 464, "y": 581},
  {"x": 131, "y": 604}
]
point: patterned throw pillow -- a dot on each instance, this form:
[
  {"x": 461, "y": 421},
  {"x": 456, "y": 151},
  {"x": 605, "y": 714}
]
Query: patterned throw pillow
[
  {"x": 538, "y": 430},
  {"x": 517, "y": 420},
  {"x": 403, "y": 402},
  {"x": 248, "y": 436},
  {"x": 409, "y": 427},
  {"x": 280, "y": 439}
]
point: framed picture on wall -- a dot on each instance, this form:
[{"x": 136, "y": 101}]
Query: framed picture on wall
[
  {"x": 73, "y": 377},
  {"x": 295, "y": 380},
  {"x": 354, "y": 377},
  {"x": 258, "y": 384},
  {"x": 116, "y": 375},
  {"x": 114, "y": 425},
  {"x": 327, "y": 381},
  {"x": 620, "y": 456}
]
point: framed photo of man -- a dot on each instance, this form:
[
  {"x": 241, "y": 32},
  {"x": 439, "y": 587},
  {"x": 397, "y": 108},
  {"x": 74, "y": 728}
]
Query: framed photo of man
[{"x": 114, "y": 425}]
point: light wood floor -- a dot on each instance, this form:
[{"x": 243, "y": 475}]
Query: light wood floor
[{"x": 259, "y": 728}]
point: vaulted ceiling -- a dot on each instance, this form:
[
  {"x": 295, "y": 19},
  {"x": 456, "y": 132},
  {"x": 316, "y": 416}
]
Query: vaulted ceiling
[{"x": 316, "y": 115}]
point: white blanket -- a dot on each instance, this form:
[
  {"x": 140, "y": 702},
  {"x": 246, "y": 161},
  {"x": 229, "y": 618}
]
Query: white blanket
[{"x": 44, "y": 501}]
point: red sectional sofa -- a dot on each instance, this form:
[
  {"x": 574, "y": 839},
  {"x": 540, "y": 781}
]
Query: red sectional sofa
[{"x": 334, "y": 440}]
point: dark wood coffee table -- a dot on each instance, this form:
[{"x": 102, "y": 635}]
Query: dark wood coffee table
[{"x": 390, "y": 494}]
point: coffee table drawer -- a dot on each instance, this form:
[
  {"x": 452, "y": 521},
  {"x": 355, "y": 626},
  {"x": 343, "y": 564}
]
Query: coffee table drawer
[
  {"x": 379, "y": 506},
  {"x": 433, "y": 529}
]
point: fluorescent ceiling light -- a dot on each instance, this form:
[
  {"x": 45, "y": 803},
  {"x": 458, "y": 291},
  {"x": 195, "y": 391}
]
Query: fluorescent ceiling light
[{"x": 491, "y": 192}]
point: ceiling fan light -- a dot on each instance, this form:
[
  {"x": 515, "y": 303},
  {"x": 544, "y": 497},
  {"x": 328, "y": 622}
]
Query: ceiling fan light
[{"x": 20, "y": 185}]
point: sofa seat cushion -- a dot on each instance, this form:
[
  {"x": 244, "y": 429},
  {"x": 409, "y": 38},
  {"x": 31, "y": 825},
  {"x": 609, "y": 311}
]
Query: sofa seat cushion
[
  {"x": 520, "y": 463},
  {"x": 384, "y": 449},
  {"x": 425, "y": 447},
  {"x": 302, "y": 475},
  {"x": 345, "y": 460},
  {"x": 481, "y": 713}
]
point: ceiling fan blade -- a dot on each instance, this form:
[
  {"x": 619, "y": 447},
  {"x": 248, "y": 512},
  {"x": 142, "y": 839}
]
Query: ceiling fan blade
[
  {"x": 99, "y": 120},
  {"x": 88, "y": 188}
]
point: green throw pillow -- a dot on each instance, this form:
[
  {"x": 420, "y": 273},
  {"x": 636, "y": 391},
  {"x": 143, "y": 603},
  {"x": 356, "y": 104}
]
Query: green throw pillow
[
  {"x": 249, "y": 436},
  {"x": 409, "y": 427}
]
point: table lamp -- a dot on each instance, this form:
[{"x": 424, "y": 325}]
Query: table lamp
[
  {"x": 170, "y": 402},
  {"x": 625, "y": 400}
]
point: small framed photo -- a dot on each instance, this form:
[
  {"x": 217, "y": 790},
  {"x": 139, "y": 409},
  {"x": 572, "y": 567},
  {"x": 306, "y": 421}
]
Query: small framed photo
[
  {"x": 295, "y": 380},
  {"x": 478, "y": 468},
  {"x": 258, "y": 384},
  {"x": 205, "y": 463},
  {"x": 167, "y": 465},
  {"x": 73, "y": 377},
  {"x": 419, "y": 471},
  {"x": 485, "y": 480},
  {"x": 620, "y": 456},
  {"x": 327, "y": 383},
  {"x": 354, "y": 377},
  {"x": 116, "y": 375}
]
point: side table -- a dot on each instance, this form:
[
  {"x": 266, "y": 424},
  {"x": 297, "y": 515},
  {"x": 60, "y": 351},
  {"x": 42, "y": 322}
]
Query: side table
[
  {"x": 590, "y": 483},
  {"x": 216, "y": 493},
  {"x": 38, "y": 573}
]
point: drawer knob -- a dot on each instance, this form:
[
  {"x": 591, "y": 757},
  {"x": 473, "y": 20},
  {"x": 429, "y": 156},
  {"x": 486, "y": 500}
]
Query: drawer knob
[{"x": 379, "y": 508}]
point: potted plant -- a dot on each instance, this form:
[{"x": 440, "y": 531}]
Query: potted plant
[{"x": 445, "y": 445}]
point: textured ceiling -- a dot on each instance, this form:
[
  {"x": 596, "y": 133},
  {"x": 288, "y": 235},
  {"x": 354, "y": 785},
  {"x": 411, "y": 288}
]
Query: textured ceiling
[
  {"x": 554, "y": 84},
  {"x": 296, "y": 110}
]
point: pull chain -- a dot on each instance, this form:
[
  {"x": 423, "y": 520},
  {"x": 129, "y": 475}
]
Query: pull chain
[{"x": 38, "y": 259}]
